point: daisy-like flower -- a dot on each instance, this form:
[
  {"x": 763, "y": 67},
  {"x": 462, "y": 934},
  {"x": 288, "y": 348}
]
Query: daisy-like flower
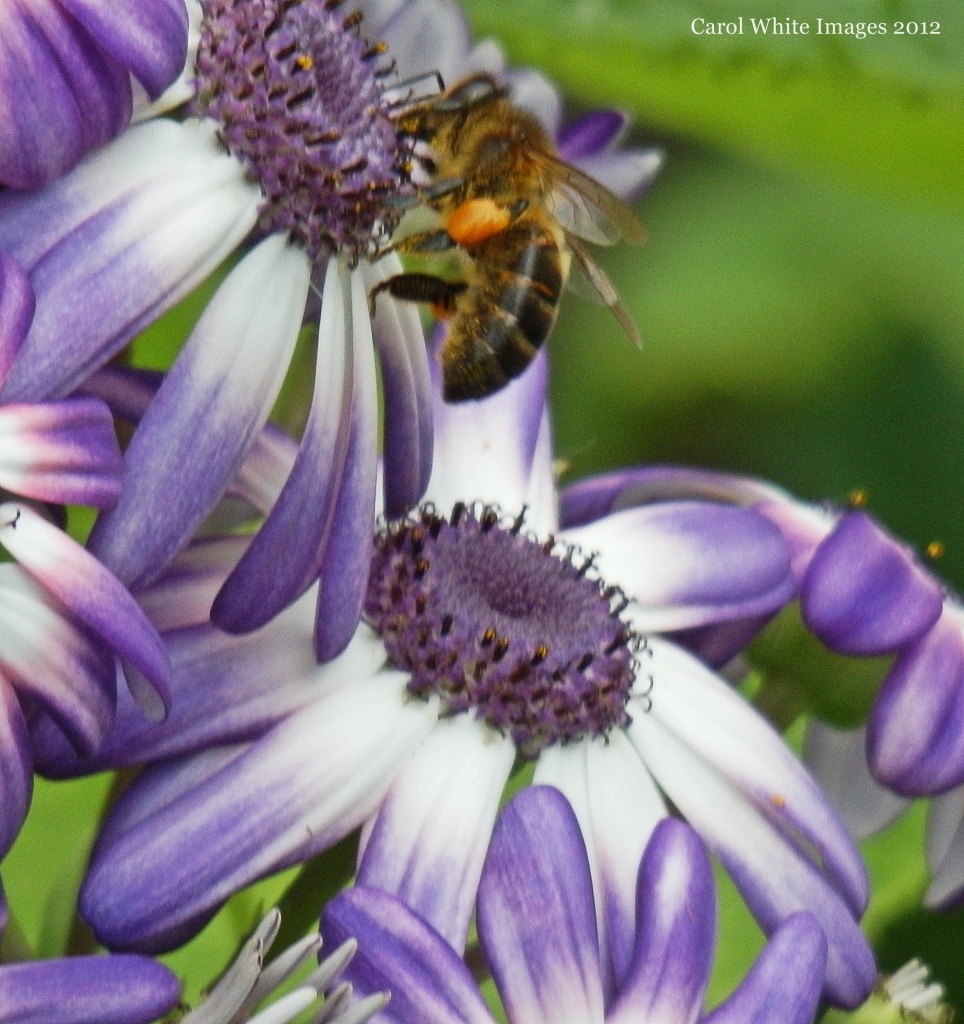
[
  {"x": 292, "y": 145},
  {"x": 537, "y": 928},
  {"x": 117, "y": 989},
  {"x": 490, "y": 637},
  {"x": 71, "y": 72},
  {"x": 63, "y": 616},
  {"x": 248, "y": 982}
]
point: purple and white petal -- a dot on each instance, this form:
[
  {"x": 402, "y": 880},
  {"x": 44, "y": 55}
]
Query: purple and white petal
[
  {"x": 687, "y": 563},
  {"x": 774, "y": 878},
  {"x": 52, "y": 659},
  {"x": 398, "y": 953},
  {"x": 407, "y": 390},
  {"x": 617, "y": 806},
  {"x": 60, "y": 93},
  {"x": 112, "y": 245},
  {"x": 113, "y": 989},
  {"x": 837, "y": 758},
  {"x": 17, "y": 306},
  {"x": 598, "y": 496},
  {"x": 91, "y": 593},
  {"x": 348, "y": 555},
  {"x": 432, "y": 830},
  {"x": 536, "y": 914},
  {"x": 675, "y": 931},
  {"x": 945, "y": 851},
  {"x": 147, "y": 37},
  {"x": 732, "y": 738},
  {"x": 333, "y": 763},
  {"x": 207, "y": 413},
  {"x": 183, "y": 594},
  {"x": 62, "y": 452},
  {"x": 783, "y": 986},
  {"x": 915, "y": 733},
  {"x": 534, "y": 92},
  {"x": 864, "y": 593},
  {"x": 266, "y": 467},
  {"x": 286, "y": 555},
  {"x": 485, "y": 451},
  {"x": 16, "y": 768}
]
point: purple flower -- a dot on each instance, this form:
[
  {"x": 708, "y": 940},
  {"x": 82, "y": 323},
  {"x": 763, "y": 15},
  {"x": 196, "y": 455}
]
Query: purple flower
[
  {"x": 71, "y": 72},
  {"x": 537, "y": 920},
  {"x": 293, "y": 144},
  {"x": 489, "y": 635},
  {"x": 116, "y": 989}
]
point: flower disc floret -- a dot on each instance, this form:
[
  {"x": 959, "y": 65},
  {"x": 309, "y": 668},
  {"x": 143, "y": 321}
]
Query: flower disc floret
[
  {"x": 299, "y": 99},
  {"x": 488, "y": 618}
]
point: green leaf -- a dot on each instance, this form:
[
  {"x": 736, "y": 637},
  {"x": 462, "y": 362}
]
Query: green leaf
[{"x": 885, "y": 111}]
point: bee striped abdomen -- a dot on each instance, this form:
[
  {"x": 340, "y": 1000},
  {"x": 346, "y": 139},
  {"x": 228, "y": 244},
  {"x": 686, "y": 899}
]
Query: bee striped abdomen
[{"x": 510, "y": 312}]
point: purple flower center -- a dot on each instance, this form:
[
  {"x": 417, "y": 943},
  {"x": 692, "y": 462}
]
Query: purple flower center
[
  {"x": 488, "y": 618},
  {"x": 301, "y": 105}
]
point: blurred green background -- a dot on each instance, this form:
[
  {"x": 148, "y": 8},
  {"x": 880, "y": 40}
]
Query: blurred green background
[{"x": 801, "y": 299}]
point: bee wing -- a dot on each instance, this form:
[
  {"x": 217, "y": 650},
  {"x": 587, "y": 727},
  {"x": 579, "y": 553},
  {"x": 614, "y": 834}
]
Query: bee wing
[
  {"x": 590, "y": 282},
  {"x": 587, "y": 209}
]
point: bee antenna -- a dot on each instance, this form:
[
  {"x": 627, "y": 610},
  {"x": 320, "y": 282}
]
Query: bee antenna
[{"x": 407, "y": 83}]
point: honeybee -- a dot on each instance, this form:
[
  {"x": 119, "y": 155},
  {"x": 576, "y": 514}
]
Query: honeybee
[{"x": 518, "y": 213}]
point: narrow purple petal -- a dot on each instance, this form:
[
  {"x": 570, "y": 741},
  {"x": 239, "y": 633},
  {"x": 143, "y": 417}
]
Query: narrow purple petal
[
  {"x": 148, "y": 37},
  {"x": 207, "y": 413},
  {"x": 344, "y": 572},
  {"x": 285, "y": 557},
  {"x": 838, "y": 761},
  {"x": 399, "y": 953},
  {"x": 627, "y": 173},
  {"x": 598, "y": 496},
  {"x": 616, "y": 831},
  {"x": 407, "y": 391},
  {"x": 113, "y": 989},
  {"x": 594, "y": 133},
  {"x": 300, "y": 788},
  {"x": 17, "y": 306},
  {"x": 60, "y": 94},
  {"x": 47, "y": 655},
  {"x": 91, "y": 593},
  {"x": 775, "y": 879},
  {"x": 63, "y": 452},
  {"x": 432, "y": 830},
  {"x": 688, "y": 563},
  {"x": 486, "y": 450},
  {"x": 183, "y": 594},
  {"x": 783, "y": 986},
  {"x": 915, "y": 734},
  {"x": 16, "y": 767},
  {"x": 864, "y": 594},
  {"x": 675, "y": 931},
  {"x": 267, "y": 465},
  {"x": 115, "y": 243},
  {"x": 719, "y": 642},
  {"x": 536, "y": 914}
]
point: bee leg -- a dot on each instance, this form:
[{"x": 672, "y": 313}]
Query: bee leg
[
  {"x": 424, "y": 241},
  {"x": 420, "y": 288}
]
